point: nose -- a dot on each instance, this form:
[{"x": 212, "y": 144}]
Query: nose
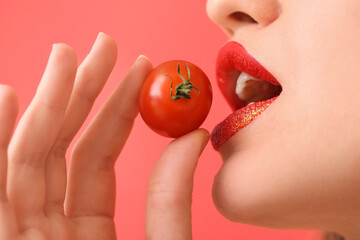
[{"x": 234, "y": 14}]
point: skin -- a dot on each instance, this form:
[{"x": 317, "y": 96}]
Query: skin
[
  {"x": 33, "y": 177},
  {"x": 297, "y": 165}
]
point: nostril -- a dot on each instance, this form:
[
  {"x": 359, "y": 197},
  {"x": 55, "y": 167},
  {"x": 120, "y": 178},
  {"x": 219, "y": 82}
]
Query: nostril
[{"x": 242, "y": 17}]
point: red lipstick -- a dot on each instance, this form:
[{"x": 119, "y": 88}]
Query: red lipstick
[{"x": 233, "y": 59}]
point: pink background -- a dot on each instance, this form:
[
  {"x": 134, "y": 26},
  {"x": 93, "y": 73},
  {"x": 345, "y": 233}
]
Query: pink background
[{"x": 162, "y": 30}]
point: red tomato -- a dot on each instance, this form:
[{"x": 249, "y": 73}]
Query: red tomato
[{"x": 175, "y": 98}]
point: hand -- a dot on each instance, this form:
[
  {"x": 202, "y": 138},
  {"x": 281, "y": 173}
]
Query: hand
[{"x": 36, "y": 201}]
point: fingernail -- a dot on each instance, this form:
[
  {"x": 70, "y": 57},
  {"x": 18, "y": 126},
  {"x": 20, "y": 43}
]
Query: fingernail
[
  {"x": 97, "y": 40},
  {"x": 141, "y": 57},
  {"x": 54, "y": 46},
  {"x": 100, "y": 34},
  {"x": 206, "y": 137}
]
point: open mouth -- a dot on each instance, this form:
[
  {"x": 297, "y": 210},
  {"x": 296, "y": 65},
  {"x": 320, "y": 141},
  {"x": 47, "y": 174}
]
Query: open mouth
[
  {"x": 250, "y": 90},
  {"x": 247, "y": 86}
]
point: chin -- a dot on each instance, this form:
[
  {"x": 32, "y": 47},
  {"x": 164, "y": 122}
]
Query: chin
[
  {"x": 238, "y": 204},
  {"x": 242, "y": 193}
]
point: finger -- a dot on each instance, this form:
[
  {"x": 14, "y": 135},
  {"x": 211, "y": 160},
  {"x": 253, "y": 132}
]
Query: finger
[
  {"x": 90, "y": 80},
  {"x": 8, "y": 113},
  {"x": 168, "y": 207},
  {"x": 37, "y": 130},
  {"x": 91, "y": 190}
]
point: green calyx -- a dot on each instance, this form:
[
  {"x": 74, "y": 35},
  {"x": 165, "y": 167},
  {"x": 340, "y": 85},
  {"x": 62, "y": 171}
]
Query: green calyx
[{"x": 182, "y": 90}]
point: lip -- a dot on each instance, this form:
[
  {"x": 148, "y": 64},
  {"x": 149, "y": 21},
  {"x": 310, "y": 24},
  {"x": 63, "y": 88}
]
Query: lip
[{"x": 233, "y": 59}]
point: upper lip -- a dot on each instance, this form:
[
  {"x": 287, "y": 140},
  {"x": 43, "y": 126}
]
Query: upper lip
[{"x": 233, "y": 59}]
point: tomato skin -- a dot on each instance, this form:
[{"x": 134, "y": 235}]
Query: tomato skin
[{"x": 174, "y": 118}]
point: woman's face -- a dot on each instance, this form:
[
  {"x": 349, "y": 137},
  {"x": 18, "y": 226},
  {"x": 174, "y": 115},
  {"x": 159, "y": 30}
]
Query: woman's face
[{"x": 298, "y": 164}]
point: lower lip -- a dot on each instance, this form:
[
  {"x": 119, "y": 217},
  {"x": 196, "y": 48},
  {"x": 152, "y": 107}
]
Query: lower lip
[{"x": 236, "y": 121}]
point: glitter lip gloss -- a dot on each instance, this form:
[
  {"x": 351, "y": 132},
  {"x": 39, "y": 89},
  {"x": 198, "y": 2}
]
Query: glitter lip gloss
[
  {"x": 233, "y": 59},
  {"x": 237, "y": 120}
]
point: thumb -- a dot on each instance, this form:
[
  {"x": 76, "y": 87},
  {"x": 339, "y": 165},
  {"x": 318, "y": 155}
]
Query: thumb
[{"x": 168, "y": 208}]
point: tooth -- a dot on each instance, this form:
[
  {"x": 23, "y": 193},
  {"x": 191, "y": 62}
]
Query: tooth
[
  {"x": 250, "y": 103},
  {"x": 241, "y": 83}
]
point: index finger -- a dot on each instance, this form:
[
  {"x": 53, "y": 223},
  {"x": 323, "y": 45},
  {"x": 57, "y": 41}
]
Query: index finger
[{"x": 168, "y": 209}]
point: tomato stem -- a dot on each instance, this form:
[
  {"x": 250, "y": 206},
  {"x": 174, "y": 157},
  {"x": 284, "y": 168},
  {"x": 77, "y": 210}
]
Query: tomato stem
[{"x": 182, "y": 90}]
